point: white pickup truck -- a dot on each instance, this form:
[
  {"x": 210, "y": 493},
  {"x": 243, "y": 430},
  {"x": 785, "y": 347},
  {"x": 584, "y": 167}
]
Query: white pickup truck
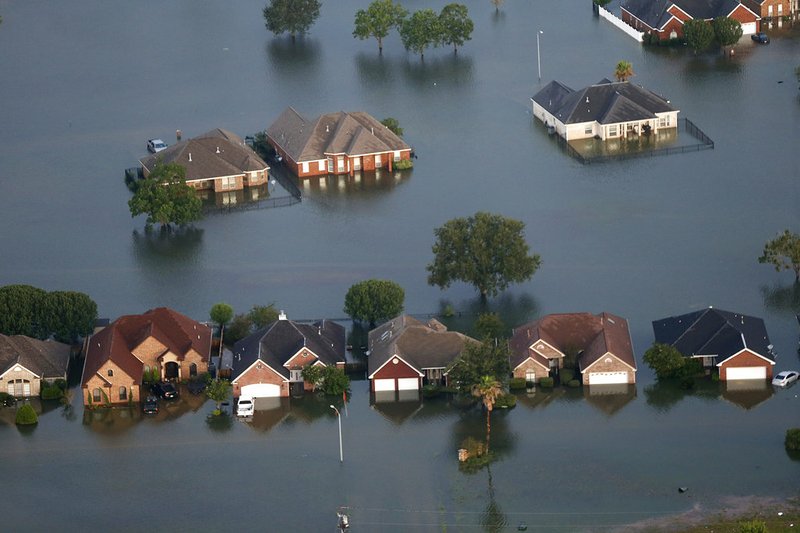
[{"x": 245, "y": 406}]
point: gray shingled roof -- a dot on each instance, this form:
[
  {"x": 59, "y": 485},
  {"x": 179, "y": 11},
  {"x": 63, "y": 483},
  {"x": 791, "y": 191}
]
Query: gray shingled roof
[
  {"x": 654, "y": 12},
  {"x": 355, "y": 133},
  {"x": 214, "y": 154},
  {"x": 276, "y": 343},
  {"x": 606, "y": 102},
  {"x": 421, "y": 345},
  {"x": 47, "y": 359}
]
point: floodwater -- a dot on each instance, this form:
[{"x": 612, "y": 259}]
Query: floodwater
[{"x": 85, "y": 83}]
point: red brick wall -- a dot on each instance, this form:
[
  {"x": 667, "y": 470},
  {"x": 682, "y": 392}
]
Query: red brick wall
[
  {"x": 746, "y": 358},
  {"x": 391, "y": 370},
  {"x": 614, "y": 366},
  {"x": 522, "y": 370},
  {"x": 260, "y": 375}
]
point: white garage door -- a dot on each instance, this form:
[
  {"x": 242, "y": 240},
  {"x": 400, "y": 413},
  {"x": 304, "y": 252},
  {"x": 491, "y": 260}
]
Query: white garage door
[
  {"x": 261, "y": 390},
  {"x": 384, "y": 385},
  {"x": 746, "y": 372},
  {"x": 408, "y": 384},
  {"x": 607, "y": 378},
  {"x": 748, "y": 28}
]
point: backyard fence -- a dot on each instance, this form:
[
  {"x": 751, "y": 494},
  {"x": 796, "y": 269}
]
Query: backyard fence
[{"x": 616, "y": 21}]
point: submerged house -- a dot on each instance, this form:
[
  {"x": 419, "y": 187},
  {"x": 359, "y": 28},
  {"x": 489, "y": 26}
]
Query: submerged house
[
  {"x": 605, "y": 110},
  {"x": 217, "y": 160},
  {"x": 335, "y": 143},
  {"x": 26, "y": 362},
  {"x": 665, "y": 18}
]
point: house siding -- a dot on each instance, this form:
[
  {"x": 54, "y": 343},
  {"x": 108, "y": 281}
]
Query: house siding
[
  {"x": 111, "y": 386},
  {"x": 260, "y": 373},
  {"x": 394, "y": 371},
  {"x": 22, "y": 374},
  {"x": 744, "y": 359},
  {"x": 522, "y": 370}
]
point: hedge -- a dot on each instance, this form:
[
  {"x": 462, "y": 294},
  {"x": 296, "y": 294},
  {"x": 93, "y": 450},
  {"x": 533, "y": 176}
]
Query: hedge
[
  {"x": 517, "y": 384},
  {"x": 26, "y": 416},
  {"x": 546, "y": 383},
  {"x": 792, "y": 441}
]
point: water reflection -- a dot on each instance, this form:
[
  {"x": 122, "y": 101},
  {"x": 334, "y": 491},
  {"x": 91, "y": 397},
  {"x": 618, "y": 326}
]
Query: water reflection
[
  {"x": 375, "y": 71},
  {"x": 747, "y": 394},
  {"x": 288, "y": 57},
  {"x": 782, "y": 299},
  {"x": 269, "y": 413},
  {"x": 447, "y": 72},
  {"x": 514, "y": 309},
  {"x": 152, "y": 246},
  {"x": 111, "y": 421},
  {"x": 220, "y": 423},
  {"x": 230, "y": 199},
  {"x": 609, "y": 399},
  {"x": 397, "y": 407},
  {"x": 664, "y": 395},
  {"x": 361, "y": 185}
]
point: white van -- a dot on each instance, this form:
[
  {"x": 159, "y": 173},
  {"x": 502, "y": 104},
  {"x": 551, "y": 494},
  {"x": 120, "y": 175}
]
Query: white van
[{"x": 245, "y": 406}]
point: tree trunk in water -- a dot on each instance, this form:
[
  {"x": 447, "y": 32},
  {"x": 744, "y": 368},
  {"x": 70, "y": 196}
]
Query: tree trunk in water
[
  {"x": 488, "y": 427},
  {"x": 380, "y": 46}
]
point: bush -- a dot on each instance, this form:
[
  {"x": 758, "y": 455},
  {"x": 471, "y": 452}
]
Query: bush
[
  {"x": 431, "y": 391},
  {"x": 546, "y": 383},
  {"x": 61, "y": 384},
  {"x": 567, "y": 375},
  {"x": 505, "y": 401},
  {"x": 792, "y": 441},
  {"x": 26, "y": 416},
  {"x": 403, "y": 164},
  {"x": 753, "y": 526},
  {"x": 52, "y": 392},
  {"x": 573, "y": 383},
  {"x": 6, "y": 399},
  {"x": 517, "y": 384}
]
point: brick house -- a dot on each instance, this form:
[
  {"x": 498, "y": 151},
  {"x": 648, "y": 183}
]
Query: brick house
[
  {"x": 665, "y": 18},
  {"x": 335, "y": 143},
  {"x": 26, "y": 362},
  {"x": 770, "y": 10},
  {"x": 269, "y": 363},
  {"x": 601, "y": 344},
  {"x": 606, "y": 110},
  {"x": 736, "y": 345},
  {"x": 405, "y": 354},
  {"x": 218, "y": 160},
  {"x": 118, "y": 355}
]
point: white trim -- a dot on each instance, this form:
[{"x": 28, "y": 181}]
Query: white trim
[
  {"x": 606, "y": 355},
  {"x": 534, "y": 360},
  {"x": 737, "y": 354},
  {"x": 540, "y": 340},
  {"x": 389, "y": 360},
  {"x": 298, "y": 353},
  {"x": 254, "y": 363},
  {"x": 37, "y": 376}
]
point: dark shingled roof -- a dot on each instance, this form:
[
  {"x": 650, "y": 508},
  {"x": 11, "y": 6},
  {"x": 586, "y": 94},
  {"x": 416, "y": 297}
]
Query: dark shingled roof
[
  {"x": 606, "y": 102},
  {"x": 713, "y": 332},
  {"x": 421, "y": 345},
  {"x": 277, "y": 342},
  {"x": 654, "y": 12},
  {"x": 595, "y": 335},
  {"x": 47, "y": 359},
  {"x": 355, "y": 133},
  {"x": 214, "y": 154}
]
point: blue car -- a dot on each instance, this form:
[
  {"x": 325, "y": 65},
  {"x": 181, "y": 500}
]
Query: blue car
[{"x": 760, "y": 37}]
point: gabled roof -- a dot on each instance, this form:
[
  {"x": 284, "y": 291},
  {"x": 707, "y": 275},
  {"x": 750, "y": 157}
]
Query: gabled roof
[
  {"x": 47, "y": 359},
  {"x": 421, "y": 345},
  {"x": 713, "y": 332},
  {"x": 594, "y": 335},
  {"x": 177, "y": 332},
  {"x": 605, "y": 102},
  {"x": 655, "y": 13},
  {"x": 354, "y": 133},
  {"x": 278, "y": 341},
  {"x": 651, "y": 12},
  {"x": 214, "y": 154}
]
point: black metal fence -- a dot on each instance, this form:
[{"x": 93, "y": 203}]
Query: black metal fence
[
  {"x": 279, "y": 201},
  {"x": 684, "y": 125}
]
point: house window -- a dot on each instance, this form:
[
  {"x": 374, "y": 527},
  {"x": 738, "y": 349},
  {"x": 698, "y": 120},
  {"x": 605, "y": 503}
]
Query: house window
[
  {"x": 229, "y": 183},
  {"x": 321, "y": 166},
  {"x": 769, "y": 10},
  {"x": 96, "y": 395},
  {"x": 397, "y": 155},
  {"x": 110, "y": 373},
  {"x": 340, "y": 164},
  {"x": 123, "y": 393},
  {"x": 192, "y": 370},
  {"x": 295, "y": 375},
  {"x": 588, "y": 130},
  {"x": 10, "y": 388},
  {"x": 780, "y": 9},
  {"x": 377, "y": 160},
  {"x": 305, "y": 167},
  {"x": 612, "y": 130},
  {"x": 530, "y": 376}
]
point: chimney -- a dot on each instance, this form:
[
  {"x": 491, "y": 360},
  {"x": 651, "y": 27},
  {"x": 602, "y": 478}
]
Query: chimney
[
  {"x": 327, "y": 129},
  {"x": 217, "y": 149},
  {"x": 281, "y": 315},
  {"x": 190, "y": 157},
  {"x": 587, "y": 99}
]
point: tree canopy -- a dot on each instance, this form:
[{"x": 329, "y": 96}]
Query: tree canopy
[
  {"x": 374, "y": 300},
  {"x": 478, "y": 360},
  {"x": 665, "y": 360},
  {"x": 486, "y": 250},
  {"x": 783, "y": 252},
  {"x": 330, "y": 380},
  {"x": 455, "y": 24},
  {"x": 698, "y": 34},
  {"x": 623, "y": 71},
  {"x": 421, "y": 30},
  {"x": 69, "y": 315},
  {"x": 218, "y": 390},
  {"x": 378, "y": 20},
  {"x": 221, "y": 313},
  {"x": 30, "y": 311},
  {"x": 292, "y": 16},
  {"x": 165, "y": 197},
  {"x": 490, "y": 326},
  {"x": 393, "y": 125},
  {"x": 728, "y": 31}
]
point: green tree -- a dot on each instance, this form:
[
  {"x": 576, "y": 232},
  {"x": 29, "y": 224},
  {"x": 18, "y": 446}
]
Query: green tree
[
  {"x": 783, "y": 252},
  {"x": 240, "y": 327},
  {"x": 488, "y": 389},
  {"x": 221, "y": 313},
  {"x": 313, "y": 374},
  {"x": 374, "y": 300},
  {"x": 26, "y": 416},
  {"x": 393, "y": 125},
  {"x": 665, "y": 360},
  {"x": 728, "y": 31},
  {"x": 378, "y": 20},
  {"x": 490, "y": 326},
  {"x": 623, "y": 71},
  {"x": 165, "y": 197},
  {"x": 261, "y": 315},
  {"x": 479, "y": 359},
  {"x": 456, "y": 26},
  {"x": 420, "y": 31},
  {"x": 698, "y": 34},
  {"x": 485, "y": 250},
  {"x": 69, "y": 315},
  {"x": 21, "y": 311},
  {"x": 292, "y": 16},
  {"x": 218, "y": 390},
  {"x": 334, "y": 381}
]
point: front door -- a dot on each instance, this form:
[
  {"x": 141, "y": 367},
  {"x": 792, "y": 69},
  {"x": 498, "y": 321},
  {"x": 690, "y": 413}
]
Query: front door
[{"x": 171, "y": 370}]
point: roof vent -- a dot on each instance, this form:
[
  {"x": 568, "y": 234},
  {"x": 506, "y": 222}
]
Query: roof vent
[
  {"x": 587, "y": 99},
  {"x": 217, "y": 149},
  {"x": 190, "y": 157},
  {"x": 327, "y": 129},
  {"x": 281, "y": 315}
]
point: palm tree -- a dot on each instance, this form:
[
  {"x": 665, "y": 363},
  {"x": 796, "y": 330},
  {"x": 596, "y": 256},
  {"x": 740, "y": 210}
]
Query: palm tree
[
  {"x": 488, "y": 389},
  {"x": 623, "y": 71}
]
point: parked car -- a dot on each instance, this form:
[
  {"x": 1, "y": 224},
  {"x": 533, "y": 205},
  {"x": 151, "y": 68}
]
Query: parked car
[
  {"x": 760, "y": 37},
  {"x": 156, "y": 145},
  {"x": 785, "y": 378},
  {"x": 164, "y": 390},
  {"x": 150, "y": 406},
  {"x": 245, "y": 407}
]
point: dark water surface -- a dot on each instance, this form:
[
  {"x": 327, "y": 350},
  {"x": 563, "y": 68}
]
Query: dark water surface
[{"x": 85, "y": 83}]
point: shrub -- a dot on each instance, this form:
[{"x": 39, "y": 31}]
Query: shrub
[
  {"x": 448, "y": 311},
  {"x": 573, "y": 383},
  {"x": 403, "y": 164},
  {"x": 792, "y": 441},
  {"x": 567, "y": 375},
  {"x": 505, "y": 401},
  {"x": 26, "y": 416},
  {"x": 6, "y": 399},
  {"x": 752, "y": 526},
  {"x": 52, "y": 392},
  {"x": 61, "y": 384},
  {"x": 546, "y": 383},
  {"x": 430, "y": 391},
  {"x": 517, "y": 384}
]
